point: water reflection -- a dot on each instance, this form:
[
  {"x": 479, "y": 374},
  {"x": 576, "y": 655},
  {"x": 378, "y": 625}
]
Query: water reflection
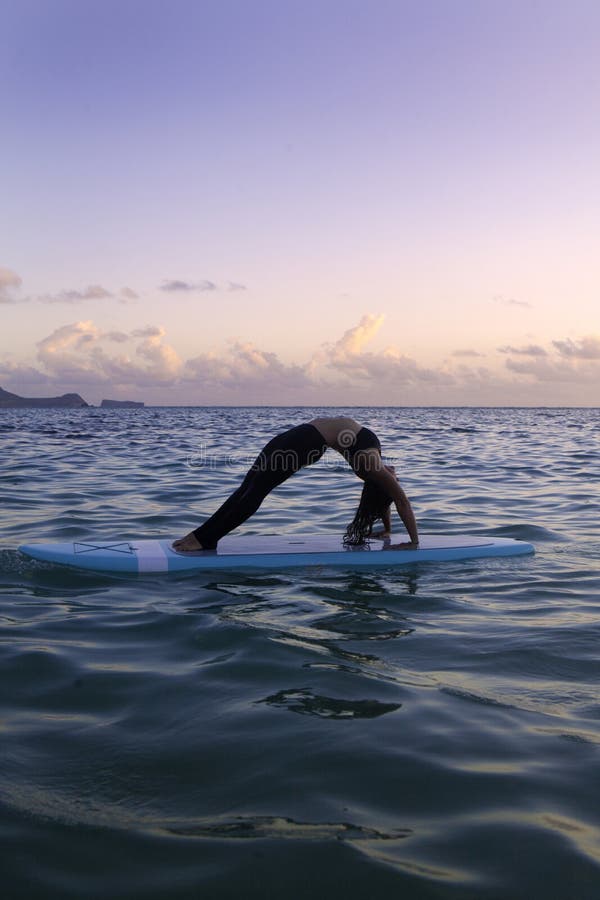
[{"x": 306, "y": 703}]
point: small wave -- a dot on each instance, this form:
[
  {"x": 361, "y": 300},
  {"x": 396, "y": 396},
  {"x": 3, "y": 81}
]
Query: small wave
[
  {"x": 577, "y": 737},
  {"x": 525, "y": 532},
  {"x": 462, "y": 694},
  {"x": 61, "y": 806}
]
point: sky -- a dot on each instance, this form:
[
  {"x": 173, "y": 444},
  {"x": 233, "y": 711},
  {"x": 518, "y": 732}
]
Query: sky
[{"x": 301, "y": 202}]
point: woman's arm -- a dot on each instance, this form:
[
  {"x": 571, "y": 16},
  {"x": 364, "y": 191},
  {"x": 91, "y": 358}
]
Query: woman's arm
[
  {"x": 384, "y": 478},
  {"x": 387, "y": 521},
  {"x": 387, "y": 527},
  {"x": 408, "y": 517}
]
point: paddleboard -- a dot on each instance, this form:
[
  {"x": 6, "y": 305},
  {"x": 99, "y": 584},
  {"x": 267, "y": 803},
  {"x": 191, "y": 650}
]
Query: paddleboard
[{"x": 264, "y": 551}]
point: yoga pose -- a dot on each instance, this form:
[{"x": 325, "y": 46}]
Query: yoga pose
[{"x": 302, "y": 446}]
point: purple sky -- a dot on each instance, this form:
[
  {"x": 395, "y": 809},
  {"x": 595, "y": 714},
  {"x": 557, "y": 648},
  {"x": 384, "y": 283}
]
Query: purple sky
[{"x": 301, "y": 202}]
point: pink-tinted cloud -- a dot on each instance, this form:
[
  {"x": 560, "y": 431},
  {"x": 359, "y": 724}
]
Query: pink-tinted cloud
[
  {"x": 10, "y": 282},
  {"x": 176, "y": 285},
  {"x": 80, "y": 355},
  {"x": 351, "y": 343},
  {"x": 566, "y": 364},
  {"x": 77, "y": 351},
  {"x": 510, "y": 301},
  {"x": 180, "y": 286},
  {"x": 244, "y": 366},
  {"x": 64, "y": 343},
  {"x": 347, "y": 356},
  {"x": 147, "y": 331},
  {"x": 21, "y": 374},
  {"x": 556, "y": 370},
  {"x": 473, "y": 354},
  {"x": 92, "y": 292},
  {"x": 163, "y": 362},
  {"x": 529, "y": 350},
  {"x": 586, "y": 348}
]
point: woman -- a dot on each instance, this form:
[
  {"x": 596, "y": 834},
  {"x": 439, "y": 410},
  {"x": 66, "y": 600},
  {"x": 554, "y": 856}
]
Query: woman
[{"x": 302, "y": 446}]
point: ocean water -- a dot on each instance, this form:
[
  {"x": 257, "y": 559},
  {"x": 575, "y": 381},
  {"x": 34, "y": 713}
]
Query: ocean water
[{"x": 427, "y": 732}]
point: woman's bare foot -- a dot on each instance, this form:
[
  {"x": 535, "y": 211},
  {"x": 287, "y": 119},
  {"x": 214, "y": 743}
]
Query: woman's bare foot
[{"x": 189, "y": 542}]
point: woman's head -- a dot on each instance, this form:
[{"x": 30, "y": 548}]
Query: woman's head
[{"x": 373, "y": 505}]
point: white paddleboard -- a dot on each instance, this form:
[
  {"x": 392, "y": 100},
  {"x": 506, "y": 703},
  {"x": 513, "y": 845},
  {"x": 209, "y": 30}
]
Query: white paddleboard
[{"x": 263, "y": 551}]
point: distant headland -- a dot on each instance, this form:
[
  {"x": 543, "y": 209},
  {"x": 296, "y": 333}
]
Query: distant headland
[
  {"x": 69, "y": 401},
  {"x": 12, "y": 401}
]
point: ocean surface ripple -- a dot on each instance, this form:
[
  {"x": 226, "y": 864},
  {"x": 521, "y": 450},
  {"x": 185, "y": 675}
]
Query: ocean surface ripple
[{"x": 429, "y": 732}]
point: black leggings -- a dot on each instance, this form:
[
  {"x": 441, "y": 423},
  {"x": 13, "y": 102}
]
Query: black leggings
[{"x": 282, "y": 456}]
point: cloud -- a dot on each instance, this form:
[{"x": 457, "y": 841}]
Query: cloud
[
  {"x": 120, "y": 337},
  {"x": 206, "y": 286},
  {"x": 62, "y": 353},
  {"x": 548, "y": 370},
  {"x": 347, "y": 357},
  {"x": 93, "y": 292},
  {"x": 244, "y": 367},
  {"x": 572, "y": 362},
  {"x": 177, "y": 286},
  {"x": 22, "y": 374},
  {"x": 529, "y": 350},
  {"x": 81, "y": 356},
  {"x": 163, "y": 362},
  {"x": 510, "y": 301},
  {"x": 76, "y": 353},
  {"x": 586, "y": 348},
  {"x": 467, "y": 353},
  {"x": 65, "y": 338},
  {"x": 353, "y": 340},
  {"x": 148, "y": 331},
  {"x": 9, "y": 282}
]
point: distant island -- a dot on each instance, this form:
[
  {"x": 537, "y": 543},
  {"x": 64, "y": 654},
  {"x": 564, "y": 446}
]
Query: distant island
[
  {"x": 13, "y": 401},
  {"x": 129, "y": 404}
]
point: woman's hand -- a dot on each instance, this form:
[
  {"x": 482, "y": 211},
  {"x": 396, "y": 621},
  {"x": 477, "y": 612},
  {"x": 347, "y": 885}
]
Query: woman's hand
[{"x": 382, "y": 533}]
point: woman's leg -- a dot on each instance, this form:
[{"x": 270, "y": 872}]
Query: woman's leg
[
  {"x": 280, "y": 459},
  {"x": 242, "y": 504}
]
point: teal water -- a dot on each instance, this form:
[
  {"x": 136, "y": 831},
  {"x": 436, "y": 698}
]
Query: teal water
[{"x": 432, "y": 732}]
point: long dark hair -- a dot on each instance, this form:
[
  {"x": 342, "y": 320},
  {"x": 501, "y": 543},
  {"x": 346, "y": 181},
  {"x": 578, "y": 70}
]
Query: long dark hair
[{"x": 374, "y": 503}]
